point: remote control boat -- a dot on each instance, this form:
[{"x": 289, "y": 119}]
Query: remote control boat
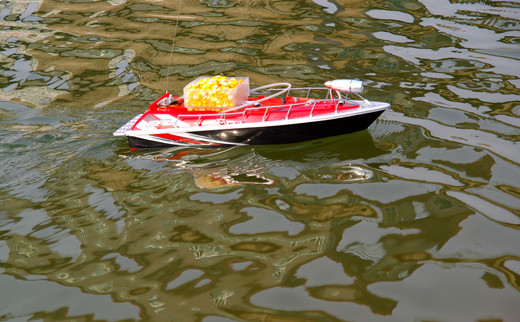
[{"x": 220, "y": 111}]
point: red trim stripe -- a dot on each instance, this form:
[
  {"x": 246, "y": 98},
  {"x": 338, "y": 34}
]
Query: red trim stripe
[{"x": 180, "y": 139}]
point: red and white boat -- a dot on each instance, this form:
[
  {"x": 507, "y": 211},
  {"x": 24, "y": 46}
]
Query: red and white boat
[{"x": 272, "y": 114}]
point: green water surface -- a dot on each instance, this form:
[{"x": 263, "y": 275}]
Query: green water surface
[{"x": 415, "y": 219}]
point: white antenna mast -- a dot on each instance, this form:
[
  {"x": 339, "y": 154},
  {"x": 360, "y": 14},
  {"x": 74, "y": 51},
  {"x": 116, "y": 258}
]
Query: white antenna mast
[{"x": 173, "y": 44}]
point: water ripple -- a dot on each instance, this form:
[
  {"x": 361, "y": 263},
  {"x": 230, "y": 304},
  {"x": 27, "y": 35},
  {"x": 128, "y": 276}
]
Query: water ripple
[{"x": 353, "y": 227}]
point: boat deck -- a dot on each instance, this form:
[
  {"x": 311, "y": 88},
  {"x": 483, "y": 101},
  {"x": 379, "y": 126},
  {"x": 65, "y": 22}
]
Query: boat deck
[{"x": 274, "y": 109}]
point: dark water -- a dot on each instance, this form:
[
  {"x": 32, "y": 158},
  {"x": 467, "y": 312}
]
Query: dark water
[{"x": 416, "y": 219}]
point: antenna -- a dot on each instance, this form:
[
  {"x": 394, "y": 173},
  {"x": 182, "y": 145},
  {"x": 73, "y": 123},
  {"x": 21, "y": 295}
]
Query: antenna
[{"x": 173, "y": 44}]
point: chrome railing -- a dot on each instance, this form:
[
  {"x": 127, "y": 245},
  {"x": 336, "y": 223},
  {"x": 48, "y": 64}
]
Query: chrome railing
[{"x": 310, "y": 93}]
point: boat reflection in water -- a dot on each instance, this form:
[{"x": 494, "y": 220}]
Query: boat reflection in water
[{"x": 211, "y": 167}]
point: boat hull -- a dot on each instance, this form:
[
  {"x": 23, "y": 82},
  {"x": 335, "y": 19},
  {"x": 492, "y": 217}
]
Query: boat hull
[{"x": 259, "y": 134}]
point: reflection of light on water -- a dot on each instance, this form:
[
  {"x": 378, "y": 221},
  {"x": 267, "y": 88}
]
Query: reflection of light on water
[
  {"x": 264, "y": 221},
  {"x": 125, "y": 263},
  {"x": 513, "y": 266},
  {"x": 210, "y": 180},
  {"x": 345, "y": 173},
  {"x": 323, "y": 271},
  {"x": 353, "y": 173},
  {"x": 373, "y": 253},
  {"x": 383, "y": 128},
  {"x": 186, "y": 276},
  {"x": 487, "y": 208},
  {"x": 220, "y": 298},
  {"x": 278, "y": 253}
]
